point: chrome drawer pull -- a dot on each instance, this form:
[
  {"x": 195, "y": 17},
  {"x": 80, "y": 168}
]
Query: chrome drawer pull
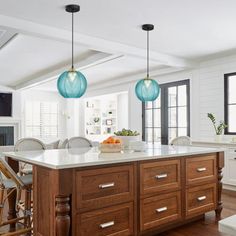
[
  {"x": 161, "y": 176},
  {"x": 161, "y": 209},
  {"x": 108, "y": 185},
  {"x": 201, "y": 198},
  {"x": 106, "y": 225},
  {"x": 201, "y": 169}
]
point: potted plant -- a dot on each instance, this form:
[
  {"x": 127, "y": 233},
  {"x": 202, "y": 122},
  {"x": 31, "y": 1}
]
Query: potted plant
[
  {"x": 127, "y": 135},
  {"x": 218, "y": 128}
]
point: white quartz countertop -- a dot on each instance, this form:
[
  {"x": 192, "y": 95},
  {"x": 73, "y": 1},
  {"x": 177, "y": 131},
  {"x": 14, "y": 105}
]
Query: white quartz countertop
[
  {"x": 71, "y": 158},
  {"x": 213, "y": 142}
]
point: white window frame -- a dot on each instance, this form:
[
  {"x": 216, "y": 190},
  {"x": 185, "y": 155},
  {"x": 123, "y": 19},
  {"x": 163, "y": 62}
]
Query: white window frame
[{"x": 41, "y": 125}]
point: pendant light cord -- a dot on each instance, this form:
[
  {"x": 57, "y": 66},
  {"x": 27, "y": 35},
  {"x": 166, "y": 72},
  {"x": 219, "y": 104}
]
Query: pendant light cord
[
  {"x": 148, "y": 54},
  {"x": 72, "y": 62}
]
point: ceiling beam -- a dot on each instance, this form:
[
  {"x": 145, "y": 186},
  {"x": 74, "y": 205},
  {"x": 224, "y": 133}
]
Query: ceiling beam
[
  {"x": 8, "y": 35},
  {"x": 89, "y": 61},
  {"x": 103, "y": 45},
  {"x": 5, "y": 88},
  {"x": 132, "y": 78}
]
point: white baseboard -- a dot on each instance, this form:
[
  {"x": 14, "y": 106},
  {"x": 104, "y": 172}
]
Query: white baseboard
[{"x": 229, "y": 187}]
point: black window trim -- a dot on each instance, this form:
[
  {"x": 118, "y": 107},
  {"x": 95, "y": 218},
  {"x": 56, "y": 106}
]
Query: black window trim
[
  {"x": 170, "y": 84},
  {"x": 226, "y": 100}
]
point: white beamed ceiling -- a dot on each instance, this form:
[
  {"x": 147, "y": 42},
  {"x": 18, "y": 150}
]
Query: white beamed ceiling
[
  {"x": 25, "y": 57},
  {"x": 109, "y": 41},
  {"x": 186, "y": 28},
  {"x": 114, "y": 70}
]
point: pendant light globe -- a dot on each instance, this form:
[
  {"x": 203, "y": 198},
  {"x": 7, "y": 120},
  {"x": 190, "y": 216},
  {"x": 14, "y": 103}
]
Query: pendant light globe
[
  {"x": 147, "y": 89},
  {"x": 72, "y": 83}
]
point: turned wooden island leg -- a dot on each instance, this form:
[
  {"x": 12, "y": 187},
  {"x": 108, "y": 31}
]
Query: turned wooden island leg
[
  {"x": 220, "y": 165},
  {"x": 52, "y": 201},
  {"x": 63, "y": 216}
]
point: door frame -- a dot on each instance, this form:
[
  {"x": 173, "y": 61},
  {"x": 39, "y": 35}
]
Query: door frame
[{"x": 164, "y": 115}]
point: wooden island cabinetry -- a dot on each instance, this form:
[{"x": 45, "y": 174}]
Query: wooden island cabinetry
[
  {"x": 136, "y": 198},
  {"x": 141, "y": 197}
]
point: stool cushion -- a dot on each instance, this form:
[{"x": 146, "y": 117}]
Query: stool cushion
[
  {"x": 228, "y": 225},
  {"x": 27, "y": 180}
]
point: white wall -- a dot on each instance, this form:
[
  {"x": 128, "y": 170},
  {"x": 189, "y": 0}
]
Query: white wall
[
  {"x": 122, "y": 108},
  {"x": 74, "y": 117},
  {"x": 122, "y": 111},
  {"x": 206, "y": 95},
  {"x": 134, "y": 105}
]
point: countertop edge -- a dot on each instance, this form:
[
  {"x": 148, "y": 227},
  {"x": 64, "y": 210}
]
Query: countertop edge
[{"x": 109, "y": 162}]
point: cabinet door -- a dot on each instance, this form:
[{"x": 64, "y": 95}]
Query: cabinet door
[
  {"x": 230, "y": 167},
  {"x": 160, "y": 210},
  {"x": 201, "y": 169},
  {"x": 159, "y": 176},
  {"x": 112, "y": 221},
  {"x": 104, "y": 187},
  {"x": 200, "y": 199}
]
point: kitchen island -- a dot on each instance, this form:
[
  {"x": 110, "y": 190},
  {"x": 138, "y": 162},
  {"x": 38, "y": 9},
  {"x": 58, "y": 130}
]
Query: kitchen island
[{"x": 83, "y": 192}]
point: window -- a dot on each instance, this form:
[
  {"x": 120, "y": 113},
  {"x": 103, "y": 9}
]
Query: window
[
  {"x": 41, "y": 119},
  {"x": 168, "y": 116},
  {"x": 153, "y": 120},
  {"x": 230, "y": 103}
]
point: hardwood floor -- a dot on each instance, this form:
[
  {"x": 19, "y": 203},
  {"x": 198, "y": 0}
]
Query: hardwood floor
[{"x": 207, "y": 227}]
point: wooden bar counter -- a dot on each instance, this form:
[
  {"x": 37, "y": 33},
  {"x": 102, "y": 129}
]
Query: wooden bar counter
[{"x": 83, "y": 192}]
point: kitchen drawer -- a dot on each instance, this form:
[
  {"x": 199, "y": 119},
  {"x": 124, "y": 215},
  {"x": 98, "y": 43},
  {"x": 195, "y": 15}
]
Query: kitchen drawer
[
  {"x": 115, "y": 221},
  {"x": 231, "y": 152},
  {"x": 231, "y": 170},
  {"x": 200, "y": 169},
  {"x": 104, "y": 187},
  {"x": 159, "y": 176},
  {"x": 200, "y": 199},
  {"x": 159, "y": 210}
]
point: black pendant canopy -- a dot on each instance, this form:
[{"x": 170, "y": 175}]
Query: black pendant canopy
[
  {"x": 148, "y": 27},
  {"x": 72, "y": 8}
]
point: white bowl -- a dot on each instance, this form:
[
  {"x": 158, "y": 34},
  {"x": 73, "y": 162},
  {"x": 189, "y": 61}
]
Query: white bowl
[{"x": 125, "y": 140}]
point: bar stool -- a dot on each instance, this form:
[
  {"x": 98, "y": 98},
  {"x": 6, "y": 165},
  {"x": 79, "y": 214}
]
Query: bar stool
[
  {"x": 181, "y": 141},
  {"x": 9, "y": 185},
  {"x": 28, "y": 144},
  {"x": 79, "y": 142}
]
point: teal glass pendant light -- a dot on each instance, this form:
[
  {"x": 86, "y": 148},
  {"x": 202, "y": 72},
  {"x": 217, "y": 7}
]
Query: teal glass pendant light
[
  {"x": 147, "y": 89},
  {"x": 72, "y": 83}
]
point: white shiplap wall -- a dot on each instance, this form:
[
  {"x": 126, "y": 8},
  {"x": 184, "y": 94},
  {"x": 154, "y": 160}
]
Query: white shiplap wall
[
  {"x": 206, "y": 92},
  {"x": 211, "y": 90},
  {"x": 206, "y": 95}
]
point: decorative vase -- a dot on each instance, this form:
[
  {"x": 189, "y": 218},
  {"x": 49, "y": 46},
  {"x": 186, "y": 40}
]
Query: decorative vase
[{"x": 218, "y": 137}]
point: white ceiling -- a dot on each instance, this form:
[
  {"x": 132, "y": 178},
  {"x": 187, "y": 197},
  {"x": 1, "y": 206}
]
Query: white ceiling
[
  {"x": 186, "y": 28},
  {"x": 27, "y": 56},
  {"x": 112, "y": 70},
  {"x": 185, "y": 31}
]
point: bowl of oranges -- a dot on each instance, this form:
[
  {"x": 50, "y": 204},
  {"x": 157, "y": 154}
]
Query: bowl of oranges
[{"x": 111, "y": 145}]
